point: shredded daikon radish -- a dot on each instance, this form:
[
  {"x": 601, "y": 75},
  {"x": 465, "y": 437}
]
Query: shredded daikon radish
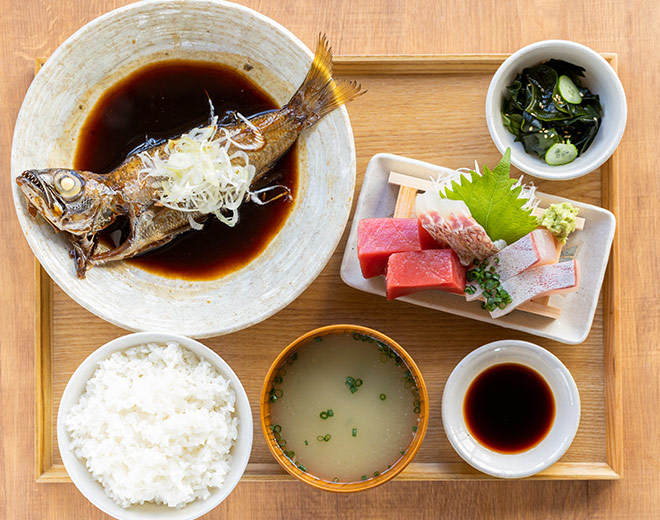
[
  {"x": 198, "y": 174},
  {"x": 446, "y": 176}
]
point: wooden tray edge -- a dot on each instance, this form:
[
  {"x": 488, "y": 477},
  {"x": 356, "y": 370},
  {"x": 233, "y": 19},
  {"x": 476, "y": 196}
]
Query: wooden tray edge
[
  {"x": 47, "y": 472},
  {"x": 428, "y": 471}
]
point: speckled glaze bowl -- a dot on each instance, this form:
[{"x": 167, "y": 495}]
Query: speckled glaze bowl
[{"x": 108, "y": 49}]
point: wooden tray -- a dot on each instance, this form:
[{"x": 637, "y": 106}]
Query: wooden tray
[{"x": 429, "y": 108}]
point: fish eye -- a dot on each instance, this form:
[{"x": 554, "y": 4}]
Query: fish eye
[{"x": 68, "y": 184}]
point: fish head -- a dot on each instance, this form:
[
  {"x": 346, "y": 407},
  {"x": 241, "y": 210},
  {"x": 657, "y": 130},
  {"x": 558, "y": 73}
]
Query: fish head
[{"x": 77, "y": 202}]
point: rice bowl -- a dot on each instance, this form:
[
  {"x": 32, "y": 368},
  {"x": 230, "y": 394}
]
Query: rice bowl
[{"x": 158, "y": 458}]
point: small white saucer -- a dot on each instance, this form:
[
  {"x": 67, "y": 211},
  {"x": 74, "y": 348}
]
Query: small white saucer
[{"x": 541, "y": 456}]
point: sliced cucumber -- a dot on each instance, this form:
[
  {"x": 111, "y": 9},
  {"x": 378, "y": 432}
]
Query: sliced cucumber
[
  {"x": 568, "y": 91},
  {"x": 561, "y": 153}
]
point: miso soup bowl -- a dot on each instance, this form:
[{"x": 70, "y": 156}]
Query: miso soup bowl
[
  {"x": 341, "y": 487},
  {"x": 553, "y": 445}
]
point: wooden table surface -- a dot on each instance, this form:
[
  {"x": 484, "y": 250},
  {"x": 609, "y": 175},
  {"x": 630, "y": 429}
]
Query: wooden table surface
[{"x": 34, "y": 28}]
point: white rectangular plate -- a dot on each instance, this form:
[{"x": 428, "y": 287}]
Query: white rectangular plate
[{"x": 377, "y": 199}]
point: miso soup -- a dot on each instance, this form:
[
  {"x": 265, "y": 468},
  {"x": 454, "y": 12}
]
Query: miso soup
[{"x": 344, "y": 407}]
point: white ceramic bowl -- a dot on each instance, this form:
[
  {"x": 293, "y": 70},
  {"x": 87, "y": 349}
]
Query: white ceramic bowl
[
  {"x": 562, "y": 432},
  {"x": 93, "y": 491},
  {"x": 110, "y": 48},
  {"x": 599, "y": 77}
]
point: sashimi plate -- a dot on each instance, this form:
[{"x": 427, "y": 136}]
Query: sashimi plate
[{"x": 591, "y": 246}]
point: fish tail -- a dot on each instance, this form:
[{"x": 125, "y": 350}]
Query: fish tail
[{"x": 320, "y": 93}]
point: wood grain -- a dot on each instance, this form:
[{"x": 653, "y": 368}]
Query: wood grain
[
  {"x": 629, "y": 28},
  {"x": 72, "y": 326}
]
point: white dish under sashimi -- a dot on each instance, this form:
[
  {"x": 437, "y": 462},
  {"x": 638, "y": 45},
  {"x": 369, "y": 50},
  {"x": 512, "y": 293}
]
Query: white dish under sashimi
[{"x": 590, "y": 246}]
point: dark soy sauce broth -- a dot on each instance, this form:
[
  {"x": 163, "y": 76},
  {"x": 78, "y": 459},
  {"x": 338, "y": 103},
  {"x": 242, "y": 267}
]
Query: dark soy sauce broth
[
  {"x": 509, "y": 408},
  {"x": 164, "y": 100}
]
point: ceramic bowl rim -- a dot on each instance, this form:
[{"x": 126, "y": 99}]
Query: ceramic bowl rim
[
  {"x": 76, "y": 385},
  {"x": 573, "y": 414},
  {"x": 572, "y": 170},
  {"x": 351, "y": 487}
]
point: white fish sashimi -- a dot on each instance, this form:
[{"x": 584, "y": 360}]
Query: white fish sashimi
[
  {"x": 450, "y": 221},
  {"x": 533, "y": 250},
  {"x": 539, "y": 281}
]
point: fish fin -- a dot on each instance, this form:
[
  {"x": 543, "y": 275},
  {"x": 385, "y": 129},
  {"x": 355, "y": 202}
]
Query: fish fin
[
  {"x": 150, "y": 229},
  {"x": 320, "y": 93},
  {"x": 82, "y": 250}
]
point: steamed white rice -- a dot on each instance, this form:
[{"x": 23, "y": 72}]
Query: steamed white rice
[{"x": 155, "y": 424}]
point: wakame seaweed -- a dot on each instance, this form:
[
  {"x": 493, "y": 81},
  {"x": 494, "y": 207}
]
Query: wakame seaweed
[{"x": 538, "y": 116}]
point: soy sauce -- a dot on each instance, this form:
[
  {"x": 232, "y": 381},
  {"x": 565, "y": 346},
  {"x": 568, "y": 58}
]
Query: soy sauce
[
  {"x": 509, "y": 408},
  {"x": 161, "y": 101}
]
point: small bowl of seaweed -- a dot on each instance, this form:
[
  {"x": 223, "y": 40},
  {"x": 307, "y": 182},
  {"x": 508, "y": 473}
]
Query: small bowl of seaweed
[{"x": 559, "y": 106}]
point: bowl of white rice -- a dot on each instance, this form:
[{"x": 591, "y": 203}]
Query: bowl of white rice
[{"x": 154, "y": 425}]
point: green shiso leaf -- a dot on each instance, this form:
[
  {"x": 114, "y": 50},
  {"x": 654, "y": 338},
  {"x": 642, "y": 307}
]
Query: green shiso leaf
[{"x": 493, "y": 203}]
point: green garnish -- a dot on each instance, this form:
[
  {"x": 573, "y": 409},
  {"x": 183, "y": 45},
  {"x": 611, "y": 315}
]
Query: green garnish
[
  {"x": 330, "y": 413},
  {"x": 306, "y": 443},
  {"x": 559, "y": 219},
  {"x": 382, "y": 397},
  {"x": 494, "y": 202},
  {"x": 302, "y": 468},
  {"x": 336, "y": 479},
  {"x": 319, "y": 438},
  {"x": 276, "y": 428},
  {"x": 376, "y": 473},
  {"x": 489, "y": 281},
  {"x": 547, "y": 105},
  {"x": 318, "y": 339},
  {"x": 414, "y": 428},
  {"x": 364, "y": 477},
  {"x": 354, "y": 432},
  {"x": 323, "y": 415},
  {"x": 275, "y": 394},
  {"x": 353, "y": 384},
  {"x": 327, "y": 437}
]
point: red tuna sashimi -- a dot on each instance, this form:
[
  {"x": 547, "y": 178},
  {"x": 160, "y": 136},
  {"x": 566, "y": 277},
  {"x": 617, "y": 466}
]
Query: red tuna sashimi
[
  {"x": 378, "y": 238},
  {"x": 533, "y": 250},
  {"x": 421, "y": 270},
  {"x": 426, "y": 241},
  {"x": 540, "y": 281}
]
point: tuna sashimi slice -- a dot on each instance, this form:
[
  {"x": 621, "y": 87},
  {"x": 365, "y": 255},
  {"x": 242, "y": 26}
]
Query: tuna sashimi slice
[
  {"x": 533, "y": 250},
  {"x": 540, "y": 281},
  {"x": 450, "y": 221},
  {"x": 421, "y": 270},
  {"x": 378, "y": 238},
  {"x": 426, "y": 241}
]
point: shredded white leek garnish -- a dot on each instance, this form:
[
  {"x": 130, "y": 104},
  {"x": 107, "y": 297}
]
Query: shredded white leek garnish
[
  {"x": 446, "y": 176},
  {"x": 198, "y": 174}
]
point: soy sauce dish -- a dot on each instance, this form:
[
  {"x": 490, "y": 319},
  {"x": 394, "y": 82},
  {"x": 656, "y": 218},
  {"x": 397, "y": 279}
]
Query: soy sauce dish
[
  {"x": 344, "y": 408},
  {"x": 510, "y": 409},
  {"x": 154, "y": 425}
]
